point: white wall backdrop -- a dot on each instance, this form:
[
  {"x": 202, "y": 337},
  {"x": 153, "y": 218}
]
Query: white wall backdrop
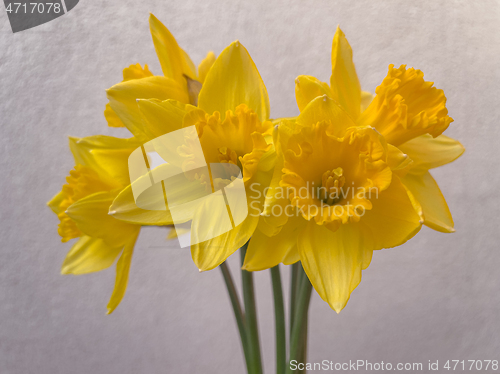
[{"x": 435, "y": 298}]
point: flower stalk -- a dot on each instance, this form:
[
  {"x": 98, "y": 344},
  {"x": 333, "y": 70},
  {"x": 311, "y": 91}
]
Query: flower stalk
[
  {"x": 238, "y": 312},
  {"x": 252, "y": 332},
  {"x": 279, "y": 313},
  {"x": 298, "y": 336},
  {"x": 293, "y": 292}
]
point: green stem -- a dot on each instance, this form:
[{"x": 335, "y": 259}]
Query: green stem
[
  {"x": 293, "y": 292},
  {"x": 297, "y": 337},
  {"x": 279, "y": 317},
  {"x": 251, "y": 317},
  {"x": 303, "y": 345},
  {"x": 238, "y": 313},
  {"x": 302, "y": 356}
]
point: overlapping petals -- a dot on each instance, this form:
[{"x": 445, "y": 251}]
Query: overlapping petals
[
  {"x": 82, "y": 207},
  {"x": 343, "y": 200},
  {"x": 348, "y": 176}
]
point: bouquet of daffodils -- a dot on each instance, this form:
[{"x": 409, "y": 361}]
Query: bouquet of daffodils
[{"x": 319, "y": 192}]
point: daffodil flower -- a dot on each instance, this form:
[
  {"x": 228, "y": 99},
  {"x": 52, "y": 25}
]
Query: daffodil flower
[
  {"x": 181, "y": 81},
  {"x": 232, "y": 124},
  {"x": 407, "y": 110},
  {"x": 100, "y": 173},
  {"x": 101, "y": 170},
  {"x": 343, "y": 199},
  {"x": 346, "y": 141}
]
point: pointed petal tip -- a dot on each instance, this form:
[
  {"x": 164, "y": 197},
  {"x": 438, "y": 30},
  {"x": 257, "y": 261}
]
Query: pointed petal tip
[
  {"x": 152, "y": 17},
  {"x": 338, "y": 32},
  {"x": 337, "y": 307},
  {"x": 110, "y": 309},
  {"x": 111, "y": 212}
]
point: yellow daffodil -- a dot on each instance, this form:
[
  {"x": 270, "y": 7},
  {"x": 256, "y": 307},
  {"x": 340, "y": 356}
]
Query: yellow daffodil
[
  {"x": 181, "y": 81},
  {"x": 343, "y": 199},
  {"x": 232, "y": 125},
  {"x": 100, "y": 173},
  {"x": 345, "y": 141},
  {"x": 407, "y": 110}
]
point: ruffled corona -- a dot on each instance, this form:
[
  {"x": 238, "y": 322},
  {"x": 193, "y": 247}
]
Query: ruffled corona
[
  {"x": 330, "y": 179},
  {"x": 238, "y": 139},
  {"x": 81, "y": 182},
  {"x": 406, "y": 106}
]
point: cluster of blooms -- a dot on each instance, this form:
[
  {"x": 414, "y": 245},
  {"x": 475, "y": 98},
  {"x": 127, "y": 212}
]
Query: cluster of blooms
[{"x": 343, "y": 138}]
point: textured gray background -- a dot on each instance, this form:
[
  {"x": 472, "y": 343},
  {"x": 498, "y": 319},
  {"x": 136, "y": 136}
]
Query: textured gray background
[{"x": 437, "y": 297}]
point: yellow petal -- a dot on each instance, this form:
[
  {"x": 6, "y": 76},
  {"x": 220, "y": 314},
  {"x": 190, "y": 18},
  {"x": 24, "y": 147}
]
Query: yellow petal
[
  {"x": 89, "y": 255},
  {"x": 177, "y": 231},
  {"x": 367, "y": 259},
  {"x": 125, "y": 209},
  {"x": 399, "y": 162},
  {"x": 122, "y": 271},
  {"x": 292, "y": 256},
  {"x": 91, "y": 216},
  {"x": 132, "y": 72},
  {"x": 55, "y": 203},
  {"x": 264, "y": 252},
  {"x": 161, "y": 117},
  {"x": 284, "y": 128},
  {"x": 332, "y": 261},
  {"x": 205, "y": 66},
  {"x": 148, "y": 206},
  {"x": 429, "y": 153},
  {"x": 344, "y": 82},
  {"x": 366, "y": 99},
  {"x": 426, "y": 191},
  {"x": 123, "y": 99},
  {"x": 173, "y": 61},
  {"x": 392, "y": 219},
  {"x": 111, "y": 117},
  {"x": 325, "y": 109},
  {"x": 106, "y": 155},
  {"x": 308, "y": 88},
  {"x": 209, "y": 254},
  {"x": 234, "y": 80},
  {"x": 136, "y": 72},
  {"x": 191, "y": 68},
  {"x": 273, "y": 216}
]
